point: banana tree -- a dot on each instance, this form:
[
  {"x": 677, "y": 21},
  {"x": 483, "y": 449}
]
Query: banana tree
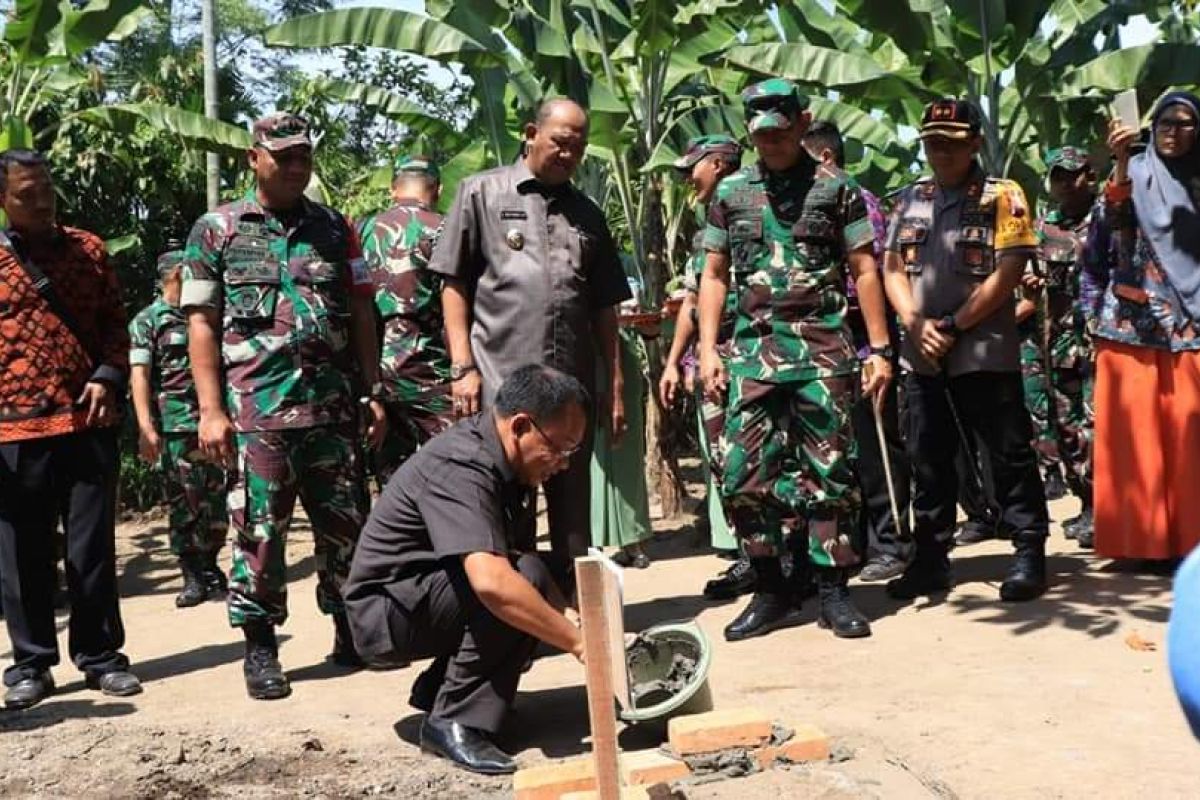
[{"x": 44, "y": 56}]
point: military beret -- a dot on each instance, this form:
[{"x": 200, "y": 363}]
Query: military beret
[
  {"x": 772, "y": 104},
  {"x": 951, "y": 118},
  {"x": 415, "y": 165},
  {"x": 702, "y": 146}
]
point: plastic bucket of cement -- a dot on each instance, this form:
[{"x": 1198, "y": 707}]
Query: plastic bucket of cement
[{"x": 668, "y": 673}]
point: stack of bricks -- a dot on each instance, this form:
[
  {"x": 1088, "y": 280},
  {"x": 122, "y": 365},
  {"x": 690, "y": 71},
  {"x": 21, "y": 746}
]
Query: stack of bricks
[{"x": 688, "y": 736}]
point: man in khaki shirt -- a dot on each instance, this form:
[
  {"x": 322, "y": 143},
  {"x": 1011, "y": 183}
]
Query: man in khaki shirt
[{"x": 532, "y": 274}]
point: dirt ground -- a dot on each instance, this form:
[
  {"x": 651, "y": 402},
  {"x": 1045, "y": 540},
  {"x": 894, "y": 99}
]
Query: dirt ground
[{"x": 958, "y": 698}]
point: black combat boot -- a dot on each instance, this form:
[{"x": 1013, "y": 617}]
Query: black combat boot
[
  {"x": 1026, "y": 578},
  {"x": 1056, "y": 487},
  {"x": 195, "y": 590},
  {"x": 344, "y": 654},
  {"x": 929, "y": 572},
  {"x": 264, "y": 675},
  {"x": 737, "y": 580},
  {"x": 838, "y": 612},
  {"x": 214, "y": 578},
  {"x": 1085, "y": 531},
  {"x": 772, "y": 607}
]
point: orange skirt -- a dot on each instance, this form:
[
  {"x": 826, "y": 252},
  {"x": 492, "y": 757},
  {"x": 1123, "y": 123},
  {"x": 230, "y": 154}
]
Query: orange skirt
[{"x": 1147, "y": 452}]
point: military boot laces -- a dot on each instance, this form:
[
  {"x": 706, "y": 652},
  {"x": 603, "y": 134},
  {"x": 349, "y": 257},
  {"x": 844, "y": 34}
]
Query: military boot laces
[
  {"x": 737, "y": 580},
  {"x": 838, "y": 612},
  {"x": 264, "y": 674},
  {"x": 195, "y": 590}
]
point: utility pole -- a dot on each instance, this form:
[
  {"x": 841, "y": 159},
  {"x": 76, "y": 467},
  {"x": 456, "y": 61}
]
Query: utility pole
[{"x": 212, "y": 161}]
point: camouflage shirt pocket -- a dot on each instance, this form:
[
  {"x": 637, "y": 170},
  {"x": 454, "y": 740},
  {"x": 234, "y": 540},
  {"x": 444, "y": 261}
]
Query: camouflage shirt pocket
[
  {"x": 746, "y": 245},
  {"x": 251, "y": 290},
  {"x": 328, "y": 285}
]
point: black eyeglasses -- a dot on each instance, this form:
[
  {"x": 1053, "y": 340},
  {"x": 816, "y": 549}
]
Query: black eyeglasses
[
  {"x": 558, "y": 450},
  {"x": 1185, "y": 125}
]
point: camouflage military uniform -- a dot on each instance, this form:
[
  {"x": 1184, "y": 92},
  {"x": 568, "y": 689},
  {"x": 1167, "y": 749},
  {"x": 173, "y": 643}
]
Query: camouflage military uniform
[
  {"x": 1063, "y": 359},
  {"x": 414, "y": 363},
  {"x": 194, "y": 488},
  {"x": 793, "y": 371},
  {"x": 283, "y": 286}
]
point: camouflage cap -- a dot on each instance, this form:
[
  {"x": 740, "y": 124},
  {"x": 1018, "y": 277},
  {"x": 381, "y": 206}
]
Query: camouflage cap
[
  {"x": 169, "y": 261},
  {"x": 772, "y": 104},
  {"x": 281, "y": 130},
  {"x": 702, "y": 146},
  {"x": 951, "y": 118},
  {"x": 416, "y": 165},
  {"x": 1070, "y": 158}
]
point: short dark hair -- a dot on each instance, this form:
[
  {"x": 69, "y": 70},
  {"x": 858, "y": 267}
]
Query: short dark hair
[
  {"x": 18, "y": 157},
  {"x": 541, "y": 392},
  {"x": 822, "y": 135}
]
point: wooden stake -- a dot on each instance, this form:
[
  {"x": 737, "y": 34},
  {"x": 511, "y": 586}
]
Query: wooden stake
[{"x": 597, "y": 588}]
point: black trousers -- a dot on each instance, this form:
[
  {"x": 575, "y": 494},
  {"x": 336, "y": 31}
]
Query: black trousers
[
  {"x": 478, "y": 659},
  {"x": 991, "y": 406},
  {"x": 74, "y": 475},
  {"x": 878, "y": 530}
]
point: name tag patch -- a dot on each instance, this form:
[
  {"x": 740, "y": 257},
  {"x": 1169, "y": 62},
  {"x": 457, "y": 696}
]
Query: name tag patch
[{"x": 513, "y": 213}]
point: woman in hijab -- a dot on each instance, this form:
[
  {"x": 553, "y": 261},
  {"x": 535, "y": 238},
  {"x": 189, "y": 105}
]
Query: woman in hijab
[{"x": 1141, "y": 294}]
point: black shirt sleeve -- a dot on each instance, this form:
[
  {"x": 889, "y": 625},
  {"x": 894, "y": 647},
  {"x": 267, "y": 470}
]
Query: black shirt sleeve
[{"x": 463, "y": 512}]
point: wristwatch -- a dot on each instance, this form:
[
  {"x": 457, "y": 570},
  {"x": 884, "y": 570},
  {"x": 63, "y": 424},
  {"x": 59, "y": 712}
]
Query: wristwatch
[
  {"x": 461, "y": 370},
  {"x": 946, "y": 325},
  {"x": 887, "y": 351}
]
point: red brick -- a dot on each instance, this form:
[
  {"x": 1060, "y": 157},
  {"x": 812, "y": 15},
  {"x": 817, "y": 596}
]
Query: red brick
[
  {"x": 552, "y": 781},
  {"x": 718, "y": 730}
]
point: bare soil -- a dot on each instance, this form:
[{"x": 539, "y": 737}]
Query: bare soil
[{"x": 960, "y": 697}]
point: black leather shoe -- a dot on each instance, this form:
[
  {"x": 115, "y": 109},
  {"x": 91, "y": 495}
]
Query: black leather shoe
[
  {"x": 30, "y": 691},
  {"x": 117, "y": 683},
  {"x": 735, "y": 581},
  {"x": 344, "y": 654},
  {"x": 1070, "y": 526},
  {"x": 838, "y": 612},
  {"x": 1086, "y": 537},
  {"x": 1026, "y": 578},
  {"x": 929, "y": 573},
  {"x": 195, "y": 589},
  {"x": 974, "y": 531},
  {"x": 468, "y": 748},
  {"x": 264, "y": 674},
  {"x": 766, "y": 612},
  {"x": 1056, "y": 487},
  {"x": 881, "y": 568}
]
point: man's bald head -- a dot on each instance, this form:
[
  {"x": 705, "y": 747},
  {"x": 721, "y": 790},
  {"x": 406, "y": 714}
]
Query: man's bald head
[{"x": 556, "y": 140}]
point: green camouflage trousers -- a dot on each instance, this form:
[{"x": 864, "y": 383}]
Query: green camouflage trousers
[
  {"x": 195, "y": 494},
  {"x": 1060, "y": 405},
  {"x": 787, "y": 451},
  {"x": 323, "y": 467},
  {"x": 1037, "y": 400},
  {"x": 411, "y": 424}
]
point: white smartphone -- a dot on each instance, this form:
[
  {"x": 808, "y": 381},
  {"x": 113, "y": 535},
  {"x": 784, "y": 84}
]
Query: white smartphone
[{"x": 1125, "y": 108}]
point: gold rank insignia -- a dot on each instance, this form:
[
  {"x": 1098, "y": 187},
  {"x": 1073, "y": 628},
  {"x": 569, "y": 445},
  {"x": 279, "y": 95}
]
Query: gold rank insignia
[{"x": 515, "y": 239}]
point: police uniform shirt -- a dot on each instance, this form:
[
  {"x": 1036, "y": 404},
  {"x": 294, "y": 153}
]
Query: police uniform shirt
[
  {"x": 456, "y": 495},
  {"x": 539, "y": 262},
  {"x": 945, "y": 265}
]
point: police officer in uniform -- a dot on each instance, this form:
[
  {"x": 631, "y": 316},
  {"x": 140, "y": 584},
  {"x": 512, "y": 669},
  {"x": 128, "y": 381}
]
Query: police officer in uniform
[{"x": 957, "y": 248}]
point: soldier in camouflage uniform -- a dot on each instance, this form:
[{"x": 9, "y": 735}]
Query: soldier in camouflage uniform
[
  {"x": 1060, "y": 352},
  {"x": 706, "y": 161},
  {"x": 414, "y": 366},
  {"x": 164, "y": 400},
  {"x": 283, "y": 343},
  {"x": 785, "y": 233}
]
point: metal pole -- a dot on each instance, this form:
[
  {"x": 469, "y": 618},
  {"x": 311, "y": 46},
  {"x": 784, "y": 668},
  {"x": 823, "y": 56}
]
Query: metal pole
[{"x": 212, "y": 161}]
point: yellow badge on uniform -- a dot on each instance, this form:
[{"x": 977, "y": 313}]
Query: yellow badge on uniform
[
  {"x": 515, "y": 239},
  {"x": 1014, "y": 227}
]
